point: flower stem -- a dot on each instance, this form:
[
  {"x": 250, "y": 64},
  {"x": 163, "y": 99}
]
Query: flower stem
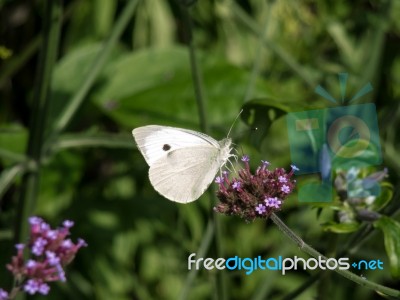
[
  {"x": 345, "y": 273},
  {"x": 195, "y": 70},
  {"x": 221, "y": 292},
  {"x": 41, "y": 100}
]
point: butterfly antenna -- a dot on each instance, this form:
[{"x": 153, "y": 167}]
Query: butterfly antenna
[{"x": 234, "y": 121}]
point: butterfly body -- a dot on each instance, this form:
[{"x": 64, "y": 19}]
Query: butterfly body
[{"x": 182, "y": 162}]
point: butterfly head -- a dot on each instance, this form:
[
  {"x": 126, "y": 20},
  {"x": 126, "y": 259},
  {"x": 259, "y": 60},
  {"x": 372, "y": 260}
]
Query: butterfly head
[{"x": 226, "y": 149}]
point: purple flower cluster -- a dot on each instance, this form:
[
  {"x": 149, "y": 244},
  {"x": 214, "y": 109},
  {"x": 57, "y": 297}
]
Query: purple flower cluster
[
  {"x": 3, "y": 294},
  {"x": 50, "y": 251},
  {"x": 251, "y": 196}
]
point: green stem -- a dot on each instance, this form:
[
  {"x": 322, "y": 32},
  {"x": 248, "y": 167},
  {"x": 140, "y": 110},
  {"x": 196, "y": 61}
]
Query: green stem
[
  {"x": 201, "y": 105},
  {"x": 257, "y": 59},
  {"x": 195, "y": 70},
  {"x": 30, "y": 182},
  {"x": 202, "y": 251},
  {"x": 345, "y": 273},
  {"x": 285, "y": 56},
  {"x": 95, "y": 69}
]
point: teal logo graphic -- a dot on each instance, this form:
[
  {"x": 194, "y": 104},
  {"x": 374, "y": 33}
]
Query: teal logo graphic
[{"x": 333, "y": 138}]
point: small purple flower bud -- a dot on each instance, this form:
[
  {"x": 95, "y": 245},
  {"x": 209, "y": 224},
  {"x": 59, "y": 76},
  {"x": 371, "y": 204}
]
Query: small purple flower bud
[
  {"x": 20, "y": 246},
  {"x": 265, "y": 163},
  {"x": 295, "y": 168},
  {"x": 35, "y": 220},
  {"x": 273, "y": 202},
  {"x": 44, "y": 289},
  {"x": 285, "y": 189},
  {"x": 52, "y": 234},
  {"x": 68, "y": 223},
  {"x": 52, "y": 258},
  {"x": 260, "y": 209},
  {"x": 282, "y": 179},
  {"x": 44, "y": 227},
  {"x": 82, "y": 243},
  {"x": 31, "y": 264},
  {"x": 67, "y": 244},
  {"x": 38, "y": 246},
  {"x": 61, "y": 273},
  {"x": 245, "y": 158},
  {"x": 219, "y": 180},
  {"x": 236, "y": 185},
  {"x": 31, "y": 286}
]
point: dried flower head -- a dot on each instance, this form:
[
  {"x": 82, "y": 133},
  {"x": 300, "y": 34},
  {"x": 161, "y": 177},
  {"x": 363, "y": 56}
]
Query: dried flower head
[{"x": 251, "y": 196}]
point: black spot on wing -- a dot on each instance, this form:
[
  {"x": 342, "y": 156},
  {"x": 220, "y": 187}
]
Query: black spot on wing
[{"x": 166, "y": 147}]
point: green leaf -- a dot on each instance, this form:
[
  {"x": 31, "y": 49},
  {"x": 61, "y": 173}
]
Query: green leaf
[
  {"x": 8, "y": 176},
  {"x": 94, "y": 140},
  {"x": 13, "y": 140},
  {"x": 103, "y": 16},
  {"x": 69, "y": 73},
  {"x": 136, "y": 82},
  {"x": 391, "y": 234},
  {"x": 384, "y": 197},
  {"x": 341, "y": 227},
  {"x": 154, "y": 24}
]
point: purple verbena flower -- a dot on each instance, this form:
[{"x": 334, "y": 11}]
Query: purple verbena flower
[
  {"x": 38, "y": 246},
  {"x": 3, "y": 294},
  {"x": 260, "y": 208},
  {"x": 20, "y": 246},
  {"x": 61, "y": 273},
  {"x": 68, "y": 223},
  {"x": 236, "y": 185},
  {"x": 44, "y": 289},
  {"x": 52, "y": 234},
  {"x": 35, "y": 220},
  {"x": 285, "y": 188},
  {"x": 31, "y": 286},
  {"x": 282, "y": 179},
  {"x": 50, "y": 250},
  {"x": 273, "y": 202},
  {"x": 265, "y": 163},
  {"x": 219, "y": 180},
  {"x": 31, "y": 264},
  {"x": 52, "y": 258},
  {"x": 244, "y": 195},
  {"x": 245, "y": 158},
  {"x": 67, "y": 244}
]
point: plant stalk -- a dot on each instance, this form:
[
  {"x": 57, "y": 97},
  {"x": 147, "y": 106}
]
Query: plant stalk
[{"x": 345, "y": 273}]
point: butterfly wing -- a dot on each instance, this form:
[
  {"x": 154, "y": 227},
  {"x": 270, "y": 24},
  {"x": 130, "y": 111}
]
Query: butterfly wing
[
  {"x": 186, "y": 173},
  {"x": 155, "y": 142},
  {"x": 182, "y": 162}
]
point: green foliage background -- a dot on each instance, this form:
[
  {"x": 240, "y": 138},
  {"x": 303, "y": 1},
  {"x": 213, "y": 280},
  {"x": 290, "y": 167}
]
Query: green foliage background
[{"x": 111, "y": 66}]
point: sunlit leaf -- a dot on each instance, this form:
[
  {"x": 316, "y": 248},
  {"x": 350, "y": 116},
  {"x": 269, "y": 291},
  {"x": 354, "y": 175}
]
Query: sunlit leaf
[
  {"x": 391, "y": 234},
  {"x": 341, "y": 227},
  {"x": 385, "y": 196}
]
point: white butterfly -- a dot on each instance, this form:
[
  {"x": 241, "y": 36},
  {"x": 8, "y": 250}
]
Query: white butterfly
[{"x": 182, "y": 162}]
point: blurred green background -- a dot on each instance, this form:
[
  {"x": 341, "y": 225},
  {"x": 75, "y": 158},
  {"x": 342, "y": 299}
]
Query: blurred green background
[{"x": 76, "y": 77}]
